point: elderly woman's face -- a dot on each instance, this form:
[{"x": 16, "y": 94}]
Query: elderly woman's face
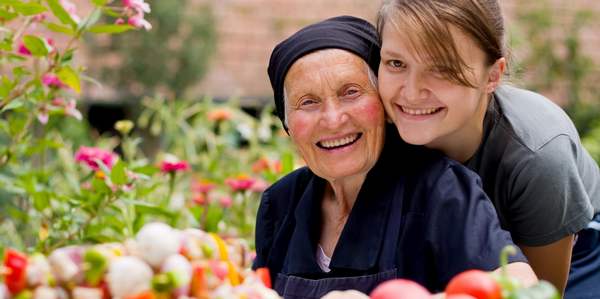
[{"x": 334, "y": 114}]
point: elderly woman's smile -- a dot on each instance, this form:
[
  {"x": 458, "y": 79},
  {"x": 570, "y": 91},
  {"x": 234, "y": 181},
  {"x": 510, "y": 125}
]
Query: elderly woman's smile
[{"x": 334, "y": 113}]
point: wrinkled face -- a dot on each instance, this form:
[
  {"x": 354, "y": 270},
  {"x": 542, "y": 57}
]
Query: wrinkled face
[
  {"x": 427, "y": 108},
  {"x": 334, "y": 114}
]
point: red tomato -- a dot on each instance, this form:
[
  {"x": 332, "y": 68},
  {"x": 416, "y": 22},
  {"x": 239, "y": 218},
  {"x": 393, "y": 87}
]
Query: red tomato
[
  {"x": 265, "y": 277},
  {"x": 400, "y": 289},
  {"x": 16, "y": 264},
  {"x": 460, "y": 296},
  {"x": 143, "y": 295},
  {"x": 476, "y": 283}
]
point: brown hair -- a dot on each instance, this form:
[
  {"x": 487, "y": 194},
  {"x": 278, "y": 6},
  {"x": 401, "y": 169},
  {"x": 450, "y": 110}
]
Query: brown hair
[{"x": 426, "y": 23}]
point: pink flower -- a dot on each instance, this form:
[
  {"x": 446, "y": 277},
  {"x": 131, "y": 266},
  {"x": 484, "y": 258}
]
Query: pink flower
[
  {"x": 259, "y": 185},
  {"x": 225, "y": 201},
  {"x": 137, "y": 5},
  {"x": 39, "y": 17},
  {"x": 200, "y": 199},
  {"x": 23, "y": 50},
  {"x": 119, "y": 21},
  {"x": 52, "y": 81},
  {"x": 172, "y": 164},
  {"x": 71, "y": 10},
  {"x": 71, "y": 110},
  {"x": 42, "y": 115},
  {"x": 138, "y": 21},
  {"x": 240, "y": 183},
  {"x": 90, "y": 156}
]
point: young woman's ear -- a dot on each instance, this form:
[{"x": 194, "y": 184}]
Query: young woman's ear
[{"x": 495, "y": 75}]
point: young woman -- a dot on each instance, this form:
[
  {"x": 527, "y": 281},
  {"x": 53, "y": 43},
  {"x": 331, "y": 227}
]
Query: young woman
[{"x": 442, "y": 64}]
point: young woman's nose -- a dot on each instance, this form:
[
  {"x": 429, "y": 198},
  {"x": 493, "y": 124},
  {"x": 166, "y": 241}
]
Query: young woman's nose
[{"x": 413, "y": 89}]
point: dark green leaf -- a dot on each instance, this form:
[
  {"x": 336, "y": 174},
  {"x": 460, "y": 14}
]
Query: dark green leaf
[
  {"x": 111, "y": 28},
  {"x": 61, "y": 13},
  {"x": 35, "y": 45}
]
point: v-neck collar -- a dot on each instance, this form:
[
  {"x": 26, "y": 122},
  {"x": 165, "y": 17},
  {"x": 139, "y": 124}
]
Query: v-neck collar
[{"x": 361, "y": 239}]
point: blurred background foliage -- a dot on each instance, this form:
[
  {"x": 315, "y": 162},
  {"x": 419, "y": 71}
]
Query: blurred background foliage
[
  {"x": 168, "y": 59},
  {"x": 554, "y": 63}
]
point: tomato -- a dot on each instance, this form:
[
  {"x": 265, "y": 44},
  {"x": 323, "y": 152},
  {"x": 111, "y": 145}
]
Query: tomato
[
  {"x": 265, "y": 277},
  {"x": 16, "y": 265},
  {"x": 460, "y": 296},
  {"x": 476, "y": 283},
  {"x": 400, "y": 289},
  {"x": 142, "y": 295}
]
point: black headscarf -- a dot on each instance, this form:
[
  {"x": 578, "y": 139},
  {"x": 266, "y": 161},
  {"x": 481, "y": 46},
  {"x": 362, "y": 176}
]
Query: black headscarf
[{"x": 345, "y": 32}]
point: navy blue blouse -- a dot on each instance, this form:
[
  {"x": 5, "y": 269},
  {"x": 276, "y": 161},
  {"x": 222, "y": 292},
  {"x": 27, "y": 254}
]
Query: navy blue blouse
[{"x": 447, "y": 225}]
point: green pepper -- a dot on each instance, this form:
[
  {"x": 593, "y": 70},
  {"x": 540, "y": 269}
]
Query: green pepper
[
  {"x": 541, "y": 290},
  {"x": 163, "y": 282},
  {"x": 95, "y": 264}
]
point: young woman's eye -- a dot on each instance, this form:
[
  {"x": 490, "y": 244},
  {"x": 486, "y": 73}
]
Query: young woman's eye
[{"x": 397, "y": 64}]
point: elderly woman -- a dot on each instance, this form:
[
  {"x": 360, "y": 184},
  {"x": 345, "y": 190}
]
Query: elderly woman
[{"x": 367, "y": 208}]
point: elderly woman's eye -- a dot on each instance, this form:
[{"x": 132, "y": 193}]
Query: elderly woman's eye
[
  {"x": 351, "y": 92},
  {"x": 307, "y": 102}
]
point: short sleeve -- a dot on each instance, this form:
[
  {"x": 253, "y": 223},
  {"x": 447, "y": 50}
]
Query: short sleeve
[
  {"x": 265, "y": 231},
  {"x": 549, "y": 199},
  {"x": 465, "y": 231}
]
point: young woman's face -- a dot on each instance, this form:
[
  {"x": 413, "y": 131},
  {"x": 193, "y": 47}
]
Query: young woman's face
[
  {"x": 427, "y": 108},
  {"x": 334, "y": 114}
]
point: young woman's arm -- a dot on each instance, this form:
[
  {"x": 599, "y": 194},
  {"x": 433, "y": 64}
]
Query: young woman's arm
[{"x": 551, "y": 262}]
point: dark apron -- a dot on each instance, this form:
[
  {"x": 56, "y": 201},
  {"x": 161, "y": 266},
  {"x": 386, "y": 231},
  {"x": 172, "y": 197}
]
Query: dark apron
[
  {"x": 294, "y": 287},
  {"x": 584, "y": 277}
]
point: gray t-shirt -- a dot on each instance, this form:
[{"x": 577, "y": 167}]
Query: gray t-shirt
[{"x": 541, "y": 180}]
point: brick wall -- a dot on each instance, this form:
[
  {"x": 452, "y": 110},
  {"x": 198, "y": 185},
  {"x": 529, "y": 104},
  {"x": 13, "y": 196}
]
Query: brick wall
[{"x": 249, "y": 29}]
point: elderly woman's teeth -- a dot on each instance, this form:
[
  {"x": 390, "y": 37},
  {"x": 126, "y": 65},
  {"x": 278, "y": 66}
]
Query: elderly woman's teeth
[
  {"x": 420, "y": 111},
  {"x": 339, "y": 142}
]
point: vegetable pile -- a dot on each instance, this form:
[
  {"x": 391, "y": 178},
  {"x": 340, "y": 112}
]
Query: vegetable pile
[{"x": 161, "y": 262}]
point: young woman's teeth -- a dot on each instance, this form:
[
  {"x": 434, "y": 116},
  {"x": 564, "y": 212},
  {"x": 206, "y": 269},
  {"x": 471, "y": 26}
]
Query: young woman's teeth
[
  {"x": 339, "y": 142},
  {"x": 420, "y": 111}
]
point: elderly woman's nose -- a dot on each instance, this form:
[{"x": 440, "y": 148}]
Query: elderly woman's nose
[{"x": 334, "y": 115}]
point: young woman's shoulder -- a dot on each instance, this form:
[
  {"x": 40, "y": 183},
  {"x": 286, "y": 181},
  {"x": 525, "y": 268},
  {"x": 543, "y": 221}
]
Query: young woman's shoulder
[{"x": 531, "y": 118}]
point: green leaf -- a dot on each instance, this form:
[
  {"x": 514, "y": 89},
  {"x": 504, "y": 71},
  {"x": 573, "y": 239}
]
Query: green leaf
[
  {"x": 41, "y": 201},
  {"x": 90, "y": 20},
  {"x": 100, "y": 2},
  {"x": 35, "y": 45},
  {"x": 13, "y": 105},
  {"x": 111, "y": 28},
  {"x": 62, "y": 15},
  {"x": 6, "y": 86},
  {"x": 68, "y": 76},
  {"x": 118, "y": 174},
  {"x": 60, "y": 28},
  {"x": 287, "y": 162},
  {"x": 29, "y": 9},
  {"x": 148, "y": 170},
  {"x": 7, "y": 15}
]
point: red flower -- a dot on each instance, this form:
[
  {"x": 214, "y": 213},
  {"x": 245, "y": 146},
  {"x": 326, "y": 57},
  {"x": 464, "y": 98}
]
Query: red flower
[
  {"x": 240, "y": 183},
  {"x": 90, "y": 156},
  {"x": 172, "y": 164},
  {"x": 200, "y": 199},
  {"x": 219, "y": 115}
]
